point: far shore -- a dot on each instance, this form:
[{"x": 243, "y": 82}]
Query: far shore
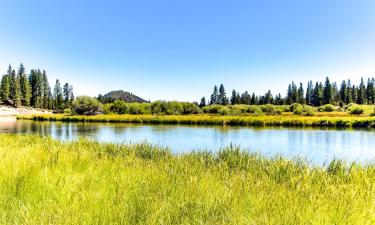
[{"x": 11, "y": 111}]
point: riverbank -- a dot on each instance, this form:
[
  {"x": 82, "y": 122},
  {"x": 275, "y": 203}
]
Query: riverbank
[
  {"x": 44, "y": 181},
  {"x": 204, "y": 119},
  {"x": 11, "y": 111}
]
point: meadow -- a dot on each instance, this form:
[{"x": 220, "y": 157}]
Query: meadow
[
  {"x": 45, "y": 181},
  {"x": 324, "y": 119}
]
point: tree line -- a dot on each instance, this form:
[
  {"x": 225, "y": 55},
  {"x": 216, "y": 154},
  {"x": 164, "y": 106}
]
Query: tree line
[
  {"x": 33, "y": 90},
  {"x": 315, "y": 95}
]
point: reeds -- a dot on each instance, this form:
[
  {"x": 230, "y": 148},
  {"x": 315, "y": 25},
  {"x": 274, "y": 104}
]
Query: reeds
[{"x": 45, "y": 181}]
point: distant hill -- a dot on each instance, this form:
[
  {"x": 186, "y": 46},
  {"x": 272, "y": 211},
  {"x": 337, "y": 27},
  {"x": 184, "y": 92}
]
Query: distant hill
[{"x": 120, "y": 95}]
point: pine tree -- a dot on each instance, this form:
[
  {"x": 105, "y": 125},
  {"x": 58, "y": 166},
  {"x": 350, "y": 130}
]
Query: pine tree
[
  {"x": 350, "y": 93},
  {"x": 233, "y": 98},
  {"x": 203, "y": 102},
  {"x": 354, "y": 93},
  {"x": 25, "y": 86},
  {"x": 268, "y": 98},
  {"x": 253, "y": 100},
  {"x": 309, "y": 92},
  {"x": 5, "y": 87},
  {"x": 327, "y": 92},
  {"x": 46, "y": 90},
  {"x": 222, "y": 98},
  {"x": 17, "y": 92},
  {"x": 245, "y": 98},
  {"x": 361, "y": 93},
  {"x": 300, "y": 94},
  {"x": 214, "y": 96},
  {"x": 66, "y": 94},
  {"x": 317, "y": 98},
  {"x": 344, "y": 92},
  {"x": 58, "y": 96}
]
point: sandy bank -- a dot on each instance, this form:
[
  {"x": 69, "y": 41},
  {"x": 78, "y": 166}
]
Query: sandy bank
[{"x": 10, "y": 111}]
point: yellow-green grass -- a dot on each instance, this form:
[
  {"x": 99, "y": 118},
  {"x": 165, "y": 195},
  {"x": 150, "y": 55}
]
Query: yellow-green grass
[
  {"x": 45, "y": 181},
  {"x": 205, "y": 119}
]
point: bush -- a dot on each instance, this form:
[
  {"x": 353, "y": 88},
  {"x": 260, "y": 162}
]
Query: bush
[
  {"x": 296, "y": 108},
  {"x": 68, "y": 112},
  {"x": 308, "y": 110},
  {"x": 119, "y": 107},
  {"x": 139, "y": 108},
  {"x": 327, "y": 108},
  {"x": 224, "y": 111},
  {"x": 373, "y": 113},
  {"x": 85, "y": 105},
  {"x": 356, "y": 110},
  {"x": 212, "y": 108}
]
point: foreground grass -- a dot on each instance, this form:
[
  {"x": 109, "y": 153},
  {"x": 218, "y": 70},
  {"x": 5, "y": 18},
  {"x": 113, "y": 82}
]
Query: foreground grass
[
  {"x": 324, "y": 120},
  {"x": 44, "y": 181}
]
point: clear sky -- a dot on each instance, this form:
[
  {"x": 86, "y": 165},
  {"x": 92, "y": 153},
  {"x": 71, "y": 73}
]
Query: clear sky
[{"x": 179, "y": 49}]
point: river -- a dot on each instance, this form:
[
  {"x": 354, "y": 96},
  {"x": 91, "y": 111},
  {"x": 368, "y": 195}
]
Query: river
[{"x": 316, "y": 145}]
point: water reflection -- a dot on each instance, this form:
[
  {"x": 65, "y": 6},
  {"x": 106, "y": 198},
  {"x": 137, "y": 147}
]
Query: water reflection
[{"x": 318, "y": 145}]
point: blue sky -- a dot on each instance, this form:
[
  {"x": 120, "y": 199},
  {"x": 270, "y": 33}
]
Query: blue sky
[{"x": 179, "y": 49}]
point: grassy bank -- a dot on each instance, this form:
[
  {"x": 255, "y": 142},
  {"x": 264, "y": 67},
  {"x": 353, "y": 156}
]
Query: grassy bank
[
  {"x": 44, "y": 181},
  {"x": 324, "y": 120}
]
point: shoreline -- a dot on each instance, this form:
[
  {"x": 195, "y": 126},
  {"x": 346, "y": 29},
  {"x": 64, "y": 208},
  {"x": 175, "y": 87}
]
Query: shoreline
[{"x": 252, "y": 121}]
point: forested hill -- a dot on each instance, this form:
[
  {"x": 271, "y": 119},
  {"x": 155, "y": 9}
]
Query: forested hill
[{"x": 120, "y": 95}]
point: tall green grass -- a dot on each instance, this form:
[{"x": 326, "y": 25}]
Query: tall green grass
[
  {"x": 265, "y": 120},
  {"x": 44, "y": 181}
]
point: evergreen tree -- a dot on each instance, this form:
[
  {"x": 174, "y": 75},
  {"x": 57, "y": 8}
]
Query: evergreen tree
[
  {"x": 368, "y": 91},
  {"x": 46, "y": 90},
  {"x": 344, "y": 92},
  {"x": 238, "y": 98},
  {"x": 203, "y": 102},
  {"x": 245, "y": 98},
  {"x": 317, "y": 98},
  {"x": 309, "y": 92},
  {"x": 233, "y": 98},
  {"x": 300, "y": 94},
  {"x": 58, "y": 96},
  {"x": 253, "y": 100},
  {"x": 289, "y": 95},
  {"x": 268, "y": 98},
  {"x": 17, "y": 92},
  {"x": 222, "y": 98},
  {"x": 361, "y": 93},
  {"x": 214, "y": 96},
  {"x": 5, "y": 87},
  {"x": 67, "y": 92},
  {"x": 354, "y": 93},
  {"x": 350, "y": 93},
  {"x": 25, "y": 86},
  {"x": 327, "y": 92}
]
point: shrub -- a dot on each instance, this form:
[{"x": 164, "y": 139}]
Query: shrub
[
  {"x": 224, "y": 111},
  {"x": 85, "y": 105},
  {"x": 356, "y": 110},
  {"x": 119, "y": 107},
  {"x": 373, "y": 113},
  {"x": 68, "y": 112},
  {"x": 212, "y": 108},
  {"x": 327, "y": 108},
  {"x": 296, "y": 108},
  {"x": 139, "y": 108},
  {"x": 308, "y": 110},
  {"x": 190, "y": 108}
]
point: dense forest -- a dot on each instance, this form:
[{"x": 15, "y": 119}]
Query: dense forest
[
  {"x": 33, "y": 90},
  {"x": 315, "y": 95}
]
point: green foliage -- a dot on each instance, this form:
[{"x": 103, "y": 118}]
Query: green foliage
[
  {"x": 68, "y": 112},
  {"x": 119, "y": 107},
  {"x": 224, "y": 110},
  {"x": 44, "y": 181},
  {"x": 85, "y": 105},
  {"x": 356, "y": 110},
  {"x": 327, "y": 108}
]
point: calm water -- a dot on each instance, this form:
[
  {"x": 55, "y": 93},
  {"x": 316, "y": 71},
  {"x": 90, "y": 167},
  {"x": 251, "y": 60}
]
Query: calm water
[{"x": 317, "y": 145}]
